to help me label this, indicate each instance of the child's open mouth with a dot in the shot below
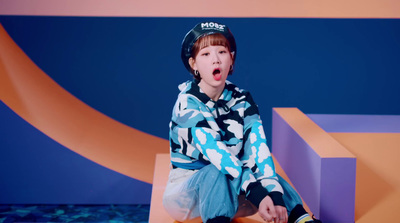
(217, 74)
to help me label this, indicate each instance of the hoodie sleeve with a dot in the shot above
(194, 126)
(257, 155)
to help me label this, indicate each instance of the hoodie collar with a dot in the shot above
(192, 87)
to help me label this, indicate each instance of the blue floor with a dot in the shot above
(74, 213)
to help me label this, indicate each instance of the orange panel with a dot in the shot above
(206, 8)
(322, 143)
(39, 100)
(378, 179)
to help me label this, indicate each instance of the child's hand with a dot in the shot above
(267, 209)
(281, 213)
(271, 213)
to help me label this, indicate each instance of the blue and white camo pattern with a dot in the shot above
(227, 133)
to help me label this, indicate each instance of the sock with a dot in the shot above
(219, 219)
(304, 218)
(297, 213)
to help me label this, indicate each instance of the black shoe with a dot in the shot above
(314, 220)
(219, 219)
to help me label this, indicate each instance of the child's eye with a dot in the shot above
(222, 51)
(205, 54)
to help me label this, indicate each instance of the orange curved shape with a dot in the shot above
(35, 97)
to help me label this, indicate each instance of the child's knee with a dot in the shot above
(211, 172)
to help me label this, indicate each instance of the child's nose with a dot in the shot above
(216, 59)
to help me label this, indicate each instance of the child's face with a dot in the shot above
(213, 64)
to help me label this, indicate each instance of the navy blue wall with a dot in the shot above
(129, 68)
(35, 169)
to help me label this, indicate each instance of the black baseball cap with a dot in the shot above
(204, 29)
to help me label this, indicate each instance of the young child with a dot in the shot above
(221, 165)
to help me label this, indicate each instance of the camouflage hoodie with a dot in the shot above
(228, 134)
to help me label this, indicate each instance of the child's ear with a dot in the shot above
(192, 63)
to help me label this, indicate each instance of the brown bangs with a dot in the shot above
(216, 39)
